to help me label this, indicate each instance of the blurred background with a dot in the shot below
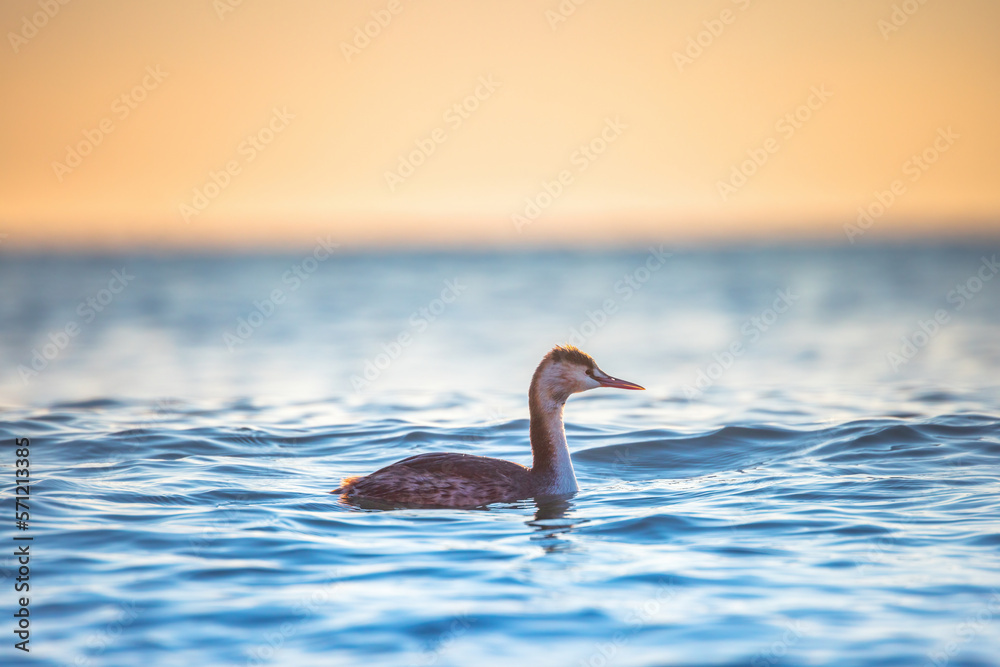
(433, 123)
(355, 156)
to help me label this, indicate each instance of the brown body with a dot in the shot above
(446, 479)
(443, 479)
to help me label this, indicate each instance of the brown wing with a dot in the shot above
(445, 479)
(464, 465)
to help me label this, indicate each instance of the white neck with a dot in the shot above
(552, 466)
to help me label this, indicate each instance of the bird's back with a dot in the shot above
(443, 479)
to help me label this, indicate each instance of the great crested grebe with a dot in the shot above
(448, 479)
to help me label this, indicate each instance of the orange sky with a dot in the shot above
(163, 98)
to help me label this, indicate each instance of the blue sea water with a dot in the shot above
(811, 477)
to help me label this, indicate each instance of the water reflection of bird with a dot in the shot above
(553, 523)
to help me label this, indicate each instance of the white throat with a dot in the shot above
(556, 467)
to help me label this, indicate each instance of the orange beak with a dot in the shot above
(618, 384)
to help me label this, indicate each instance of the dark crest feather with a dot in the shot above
(570, 354)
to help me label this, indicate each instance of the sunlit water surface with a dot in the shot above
(820, 495)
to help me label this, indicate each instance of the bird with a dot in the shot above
(450, 479)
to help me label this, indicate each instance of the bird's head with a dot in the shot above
(566, 370)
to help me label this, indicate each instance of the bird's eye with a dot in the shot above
(590, 372)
